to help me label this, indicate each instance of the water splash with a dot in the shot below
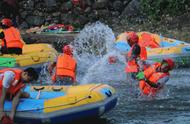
(94, 45)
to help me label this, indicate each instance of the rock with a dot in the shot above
(23, 25)
(56, 14)
(50, 3)
(88, 2)
(67, 6)
(82, 20)
(28, 5)
(118, 5)
(88, 10)
(99, 4)
(35, 20)
(132, 9)
(115, 13)
(24, 14)
(103, 13)
(67, 18)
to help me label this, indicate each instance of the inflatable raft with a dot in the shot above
(158, 47)
(59, 104)
(34, 55)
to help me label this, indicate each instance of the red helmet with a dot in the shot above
(170, 62)
(7, 22)
(132, 38)
(67, 49)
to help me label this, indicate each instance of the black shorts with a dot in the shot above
(12, 50)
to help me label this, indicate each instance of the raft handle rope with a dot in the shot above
(36, 58)
(87, 97)
(57, 89)
(40, 88)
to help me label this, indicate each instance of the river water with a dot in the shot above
(171, 106)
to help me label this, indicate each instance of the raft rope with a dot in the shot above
(77, 101)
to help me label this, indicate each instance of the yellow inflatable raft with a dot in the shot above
(158, 47)
(33, 55)
(60, 104)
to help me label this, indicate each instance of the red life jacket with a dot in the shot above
(12, 38)
(147, 40)
(16, 84)
(65, 66)
(152, 75)
(132, 65)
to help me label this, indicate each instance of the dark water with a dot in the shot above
(171, 106)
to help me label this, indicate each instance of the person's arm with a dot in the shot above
(152, 84)
(51, 67)
(160, 82)
(75, 82)
(141, 64)
(2, 101)
(15, 104)
(7, 79)
(163, 81)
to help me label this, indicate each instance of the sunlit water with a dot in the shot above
(93, 46)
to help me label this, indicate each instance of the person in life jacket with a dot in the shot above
(11, 39)
(12, 81)
(136, 56)
(65, 67)
(155, 77)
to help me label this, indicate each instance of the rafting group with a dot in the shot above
(12, 80)
(151, 77)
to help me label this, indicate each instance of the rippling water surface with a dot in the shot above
(172, 105)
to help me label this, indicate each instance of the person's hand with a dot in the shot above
(74, 83)
(159, 85)
(140, 76)
(2, 114)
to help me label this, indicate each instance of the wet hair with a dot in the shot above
(32, 73)
(3, 26)
(136, 50)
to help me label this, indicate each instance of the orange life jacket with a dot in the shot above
(12, 38)
(152, 75)
(16, 84)
(65, 66)
(132, 65)
(147, 40)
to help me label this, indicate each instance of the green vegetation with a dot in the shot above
(156, 9)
